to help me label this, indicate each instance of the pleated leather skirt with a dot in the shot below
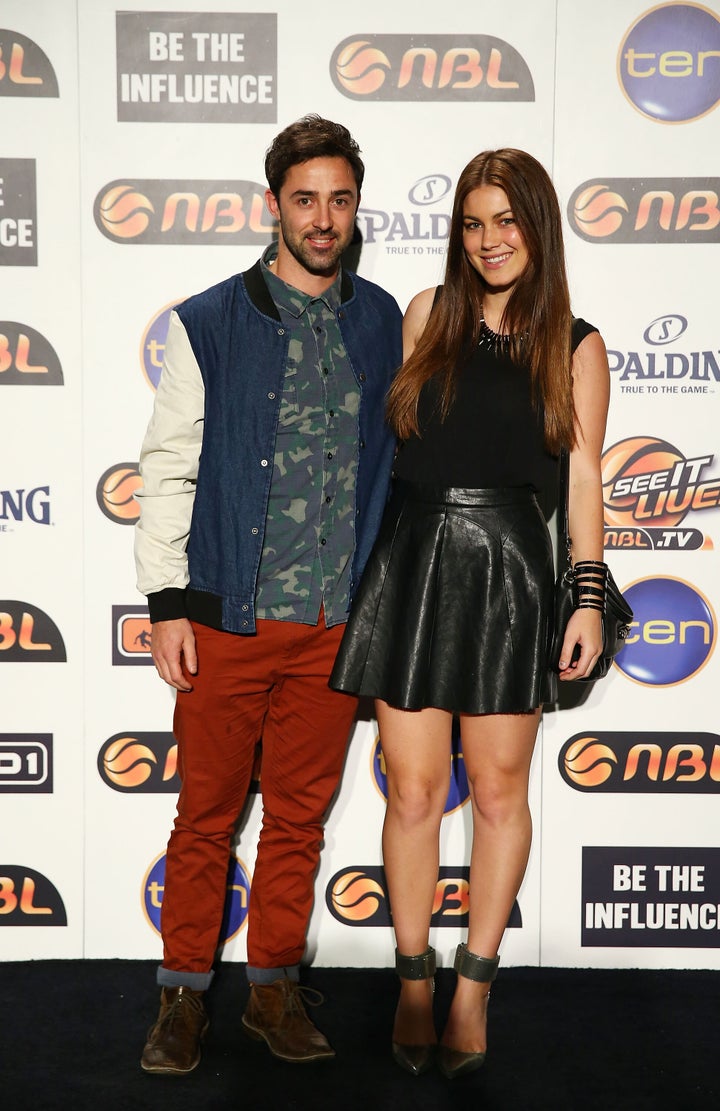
(455, 604)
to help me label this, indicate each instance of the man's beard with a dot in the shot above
(315, 262)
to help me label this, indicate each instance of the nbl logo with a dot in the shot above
(25, 70)
(430, 67)
(26, 357)
(236, 901)
(357, 896)
(28, 635)
(115, 493)
(646, 210)
(190, 212)
(28, 898)
(642, 763)
(140, 763)
(648, 489)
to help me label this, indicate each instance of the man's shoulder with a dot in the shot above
(215, 295)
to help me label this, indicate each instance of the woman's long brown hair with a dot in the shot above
(537, 315)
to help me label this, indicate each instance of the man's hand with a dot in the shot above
(173, 652)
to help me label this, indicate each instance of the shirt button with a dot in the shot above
(318, 329)
(329, 455)
(263, 462)
(271, 396)
(332, 412)
(254, 531)
(325, 370)
(244, 624)
(362, 377)
(328, 499)
(362, 443)
(245, 609)
(281, 331)
(323, 541)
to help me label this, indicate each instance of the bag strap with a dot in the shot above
(563, 518)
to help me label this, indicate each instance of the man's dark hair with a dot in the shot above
(311, 137)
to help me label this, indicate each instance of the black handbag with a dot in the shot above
(617, 614)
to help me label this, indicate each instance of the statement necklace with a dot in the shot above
(496, 341)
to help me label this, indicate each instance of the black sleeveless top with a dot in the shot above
(493, 434)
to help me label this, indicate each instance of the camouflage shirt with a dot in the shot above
(310, 533)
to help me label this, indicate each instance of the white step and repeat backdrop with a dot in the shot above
(131, 153)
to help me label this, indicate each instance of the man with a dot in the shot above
(249, 556)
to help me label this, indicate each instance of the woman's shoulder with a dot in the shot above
(422, 302)
(580, 330)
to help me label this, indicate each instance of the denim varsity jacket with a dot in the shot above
(207, 458)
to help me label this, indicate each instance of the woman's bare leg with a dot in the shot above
(416, 749)
(497, 749)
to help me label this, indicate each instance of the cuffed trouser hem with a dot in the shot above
(171, 978)
(270, 975)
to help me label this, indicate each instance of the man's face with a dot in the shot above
(316, 208)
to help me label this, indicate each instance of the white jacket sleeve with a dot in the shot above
(169, 466)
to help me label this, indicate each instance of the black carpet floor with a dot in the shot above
(71, 1034)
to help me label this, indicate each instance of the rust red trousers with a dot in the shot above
(271, 686)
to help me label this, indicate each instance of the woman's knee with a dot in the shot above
(416, 801)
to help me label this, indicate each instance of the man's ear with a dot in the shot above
(272, 204)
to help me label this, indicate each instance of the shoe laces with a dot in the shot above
(299, 995)
(182, 1002)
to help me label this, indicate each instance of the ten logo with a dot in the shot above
(236, 901)
(140, 762)
(430, 67)
(26, 764)
(152, 347)
(27, 898)
(669, 63)
(458, 791)
(26, 357)
(28, 635)
(642, 763)
(24, 69)
(115, 493)
(672, 635)
(131, 636)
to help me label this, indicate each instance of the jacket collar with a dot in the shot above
(259, 293)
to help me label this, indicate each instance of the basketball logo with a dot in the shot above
(361, 68)
(598, 212)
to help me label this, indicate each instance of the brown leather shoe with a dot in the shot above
(173, 1044)
(276, 1014)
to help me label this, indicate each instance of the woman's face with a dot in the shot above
(492, 240)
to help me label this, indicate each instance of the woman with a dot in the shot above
(453, 614)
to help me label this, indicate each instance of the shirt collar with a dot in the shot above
(293, 300)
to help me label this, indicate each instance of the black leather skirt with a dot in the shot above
(454, 608)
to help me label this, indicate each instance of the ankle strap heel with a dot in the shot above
(473, 967)
(420, 967)
(415, 1059)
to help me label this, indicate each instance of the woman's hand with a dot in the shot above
(584, 638)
